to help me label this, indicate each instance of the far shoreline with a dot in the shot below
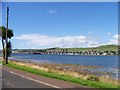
(64, 54)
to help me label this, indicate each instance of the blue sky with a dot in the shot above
(62, 24)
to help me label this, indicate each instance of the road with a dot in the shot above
(14, 81)
(12, 78)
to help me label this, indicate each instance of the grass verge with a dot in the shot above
(95, 84)
(0, 62)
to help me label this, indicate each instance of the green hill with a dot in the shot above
(99, 48)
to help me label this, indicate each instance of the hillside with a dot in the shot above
(100, 48)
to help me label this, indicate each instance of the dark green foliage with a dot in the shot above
(92, 78)
(3, 39)
(3, 32)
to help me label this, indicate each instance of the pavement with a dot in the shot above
(13, 78)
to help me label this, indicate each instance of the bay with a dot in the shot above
(104, 61)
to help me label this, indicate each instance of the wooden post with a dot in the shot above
(6, 56)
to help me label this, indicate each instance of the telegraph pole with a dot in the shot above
(6, 51)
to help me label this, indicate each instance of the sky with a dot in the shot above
(62, 24)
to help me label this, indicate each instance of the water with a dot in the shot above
(103, 61)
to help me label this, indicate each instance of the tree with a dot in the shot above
(3, 40)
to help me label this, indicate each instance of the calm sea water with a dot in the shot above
(104, 61)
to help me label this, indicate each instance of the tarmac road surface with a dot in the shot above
(10, 80)
(13, 78)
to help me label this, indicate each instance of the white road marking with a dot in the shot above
(33, 79)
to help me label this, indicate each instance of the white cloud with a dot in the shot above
(115, 39)
(116, 36)
(92, 43)
(91, 32)
(52, 41)
(109, 33)
(52, 11)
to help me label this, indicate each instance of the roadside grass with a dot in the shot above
(96, 84)
(0, 61)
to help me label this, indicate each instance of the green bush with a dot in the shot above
(92, 78)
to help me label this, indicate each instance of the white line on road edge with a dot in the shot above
(33, 79)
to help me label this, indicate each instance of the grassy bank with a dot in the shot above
(0, 60)
(89, 83)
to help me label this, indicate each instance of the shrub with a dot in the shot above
(92, 78)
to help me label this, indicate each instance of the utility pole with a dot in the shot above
(6, 51)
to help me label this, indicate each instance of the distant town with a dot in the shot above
(101, 50)
(67, 52)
